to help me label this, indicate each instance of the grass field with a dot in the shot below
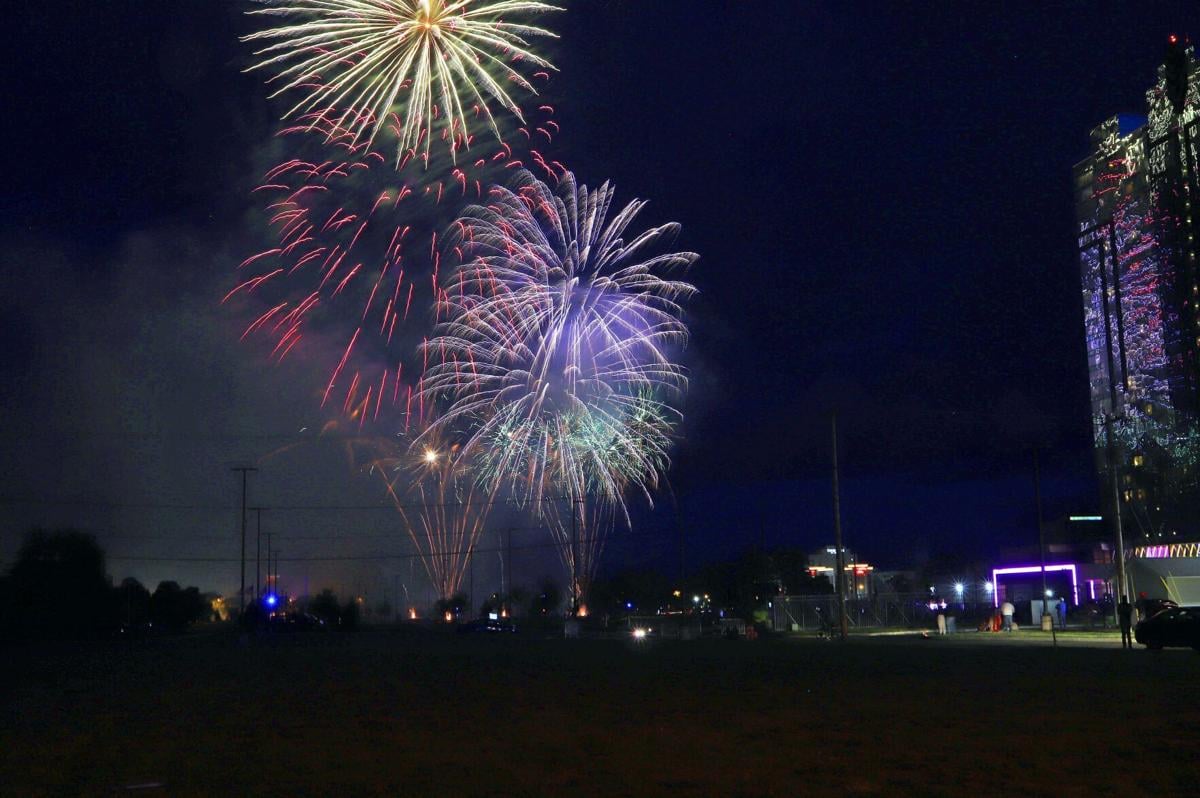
(382, 712)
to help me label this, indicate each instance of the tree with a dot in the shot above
(132, 603)
(58, 587)
(173, 609)
(547, 598)
(325, 606)
(348, 618)
(645, 590)
(456, 605)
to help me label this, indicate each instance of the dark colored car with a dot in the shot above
(487, 626)
(1149, 607)
(294, 622)
(1174, 626)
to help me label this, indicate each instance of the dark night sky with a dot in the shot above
(880, 194)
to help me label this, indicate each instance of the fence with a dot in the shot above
(888, 610)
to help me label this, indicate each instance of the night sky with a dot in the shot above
(880, 194)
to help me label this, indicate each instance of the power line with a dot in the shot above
(390, 556)
(284, 507)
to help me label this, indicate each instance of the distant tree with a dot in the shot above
(456, 605)
(325, 606)
(901, 583)
(349, 616)
(173, 609)
(58, 587)
(790, 569)
(518, 600)
(253, 617)
(492, 604)
(383, 609)
(645, 590)
(7, 618)
(547, 599)
(132, 603)
(744, 585)
(948, 567)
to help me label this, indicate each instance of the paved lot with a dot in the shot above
(387, 713)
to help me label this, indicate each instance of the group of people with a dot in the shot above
(1124, 618)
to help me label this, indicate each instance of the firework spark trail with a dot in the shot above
(411, 65)
(443, 508)
(555, 358)
(356, 249)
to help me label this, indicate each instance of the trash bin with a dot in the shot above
(1047, 622)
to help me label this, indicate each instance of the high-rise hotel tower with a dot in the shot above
(1137, 203)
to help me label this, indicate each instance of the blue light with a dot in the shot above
(272, 599)
(628, 605)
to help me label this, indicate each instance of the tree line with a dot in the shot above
(58, 587)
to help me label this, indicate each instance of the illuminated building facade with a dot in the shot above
(857, 583)
(1141, 297)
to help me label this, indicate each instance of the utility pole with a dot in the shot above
(242, 594)
(679, 531)
(574, 559)
(506, 571)
(839, 556)
(257, 551)
(269, 589)
(1122, 586)
(1037, 497)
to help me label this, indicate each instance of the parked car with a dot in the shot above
(1148, 607)
(294, 622)
(487, 626)
(1174, 626)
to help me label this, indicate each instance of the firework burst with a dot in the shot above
(427, 68)
(356, 252)
(557, 354)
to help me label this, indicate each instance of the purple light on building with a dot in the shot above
(1034, 569)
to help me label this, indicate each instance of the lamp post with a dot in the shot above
(1037, 497)
(1119, 533)
(839, 559)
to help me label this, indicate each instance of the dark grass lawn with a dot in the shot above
(383, 712)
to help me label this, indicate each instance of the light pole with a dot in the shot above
(1037, 497)
(839, 558)
(257, 550)
(1119, 533)
(574, 558)
(242, 594)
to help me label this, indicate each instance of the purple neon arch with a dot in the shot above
(1034, 569)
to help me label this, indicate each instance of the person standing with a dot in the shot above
(1125, 616)
(1062, 613)
(1007, 610)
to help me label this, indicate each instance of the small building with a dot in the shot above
(858, 583)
